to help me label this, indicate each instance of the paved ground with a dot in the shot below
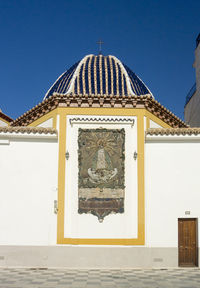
(60, 278)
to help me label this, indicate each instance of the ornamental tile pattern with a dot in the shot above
(99, 278)
(98, 101)
(103, 75)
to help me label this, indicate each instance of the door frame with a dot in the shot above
(196, 240)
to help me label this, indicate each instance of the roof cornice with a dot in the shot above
(105, 101)
(27, 132)
(173, 131)
(175, 135)
(36, 112)
(5, 117)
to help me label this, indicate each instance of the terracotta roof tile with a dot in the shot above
(5, 117)
(105, 101)
(173, 131)
(27, 130)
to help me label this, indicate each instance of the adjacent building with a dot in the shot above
(192, 105)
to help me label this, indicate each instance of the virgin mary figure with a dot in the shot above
(102, 170)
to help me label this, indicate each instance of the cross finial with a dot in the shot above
(100, 42)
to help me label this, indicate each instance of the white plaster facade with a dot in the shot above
(172, 186)
(28, 172)
(46, 124)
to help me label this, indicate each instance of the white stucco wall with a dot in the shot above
(154, 124)
(172, 187)
(114, 225)
(28, 174)
(28, 178)
(47, 124)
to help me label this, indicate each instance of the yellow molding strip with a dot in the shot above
(55, 121)
(140, 162)
(61, 176)
(103, 241)
(63, 112)
(100, 111)
(147, 123)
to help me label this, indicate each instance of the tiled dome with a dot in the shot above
(103, 75)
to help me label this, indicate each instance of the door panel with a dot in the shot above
(187, 242)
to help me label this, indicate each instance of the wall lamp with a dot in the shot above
(67, 155)
(135, 154)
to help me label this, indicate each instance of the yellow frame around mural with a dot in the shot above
(141, 114)
(63, 112)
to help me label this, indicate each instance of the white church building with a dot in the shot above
(99, 175)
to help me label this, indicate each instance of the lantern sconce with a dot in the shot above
(135, 155)
(67, 155)
(55, 207)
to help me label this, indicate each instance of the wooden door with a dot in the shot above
(187, 242)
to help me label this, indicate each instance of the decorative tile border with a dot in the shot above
(27, 130)
(172, 131)
(101, 120)
(95, 101)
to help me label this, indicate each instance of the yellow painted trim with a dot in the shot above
(52, 114)
(147, 123)
(103, 241)
(55, 121)
(158, 121)
(100, 111)
(61, 176)
(139, 113)
(140, 162)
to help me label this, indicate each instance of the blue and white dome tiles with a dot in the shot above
(99, 75)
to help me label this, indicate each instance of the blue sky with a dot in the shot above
(41, 39)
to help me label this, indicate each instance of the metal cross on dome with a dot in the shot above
(100, 42)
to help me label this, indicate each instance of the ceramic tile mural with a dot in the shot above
(101, 181)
